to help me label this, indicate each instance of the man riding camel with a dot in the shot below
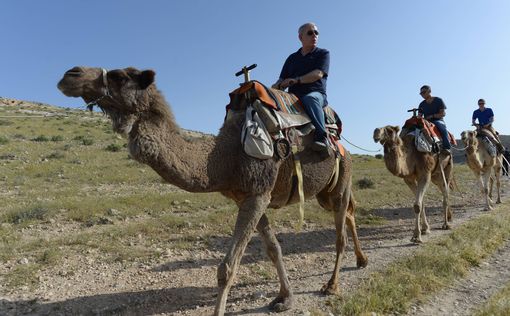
(485, 118)
(433, 110)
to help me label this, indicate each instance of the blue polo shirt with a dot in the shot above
(483, 117)
(433, 108)
(298, 65)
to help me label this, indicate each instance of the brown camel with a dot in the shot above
(417, 169)
(138, 110)
(483, 165)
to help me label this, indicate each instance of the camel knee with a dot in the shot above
(417, 208)
(224, 274)
(273, 252)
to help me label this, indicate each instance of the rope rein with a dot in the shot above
(367, 150)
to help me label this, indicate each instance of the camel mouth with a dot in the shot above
(68, 91)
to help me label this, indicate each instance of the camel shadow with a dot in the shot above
(148, 302)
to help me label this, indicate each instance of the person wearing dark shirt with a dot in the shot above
(485, 118)
(433, 110)
(305, 73)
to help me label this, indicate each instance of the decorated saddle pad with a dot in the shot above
(428, 127)
(276, 99)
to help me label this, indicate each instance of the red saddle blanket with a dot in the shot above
(429, 128)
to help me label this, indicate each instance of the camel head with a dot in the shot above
(469, 138)
(387, 135)
(121, 93)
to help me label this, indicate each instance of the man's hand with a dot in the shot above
(288, 82)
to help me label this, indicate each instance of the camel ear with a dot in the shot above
(146, 78)
(396, 128)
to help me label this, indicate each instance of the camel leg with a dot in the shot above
(485, 189)
(285, 298)
(446, 207)
(425, 228)
(250, 212)
(423, 183)
(340, 205)
(497, 172)
(361, 258)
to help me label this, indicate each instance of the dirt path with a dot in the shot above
(184, 282)
(464, 296)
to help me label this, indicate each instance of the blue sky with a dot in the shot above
(381, 53)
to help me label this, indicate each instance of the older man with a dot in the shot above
(305, 73)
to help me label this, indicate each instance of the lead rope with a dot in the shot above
(299, 174)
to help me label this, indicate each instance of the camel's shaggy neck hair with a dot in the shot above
(156, 139)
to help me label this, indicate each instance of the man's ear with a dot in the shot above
(146, 78)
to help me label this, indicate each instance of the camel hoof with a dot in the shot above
(330, 289)
(416, 240)
(446, 226)
(362, 262)
(425, 231)
(498, 202)
(281, 304)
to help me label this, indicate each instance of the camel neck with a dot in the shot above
(157, 140)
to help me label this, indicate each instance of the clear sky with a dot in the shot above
(382, 51)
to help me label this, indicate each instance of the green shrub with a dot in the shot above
(114, 147)
(56, 155)
(3, 140)
(365, 183)
(40, 138)
(57, 138)
(87, 141)
(35, 213)
(379, 156)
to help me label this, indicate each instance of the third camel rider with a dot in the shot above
(485, 118)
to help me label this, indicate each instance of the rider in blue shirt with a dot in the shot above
(433, 110)
(305, 73)
(485, 118)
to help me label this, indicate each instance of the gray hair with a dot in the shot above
(304, 26)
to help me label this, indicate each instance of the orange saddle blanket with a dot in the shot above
(429, 128)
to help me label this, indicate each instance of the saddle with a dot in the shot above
(427, 135)
(283, 114)
(489, 140)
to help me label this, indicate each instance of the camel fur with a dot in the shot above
(417, 169)
(138, 110)
(485, 167)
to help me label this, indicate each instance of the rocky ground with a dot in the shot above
(184, 282)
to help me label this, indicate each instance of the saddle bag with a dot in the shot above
(491, 148)
(422, 141)
(255, 138)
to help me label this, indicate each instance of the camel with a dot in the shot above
(417, 169)
(484, 166)
(218, 164)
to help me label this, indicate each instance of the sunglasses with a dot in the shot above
(423, 92)
(481, 103)
(312, 32)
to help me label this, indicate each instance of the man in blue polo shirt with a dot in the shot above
(305, 73)
(433, 110)
(485, 117)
